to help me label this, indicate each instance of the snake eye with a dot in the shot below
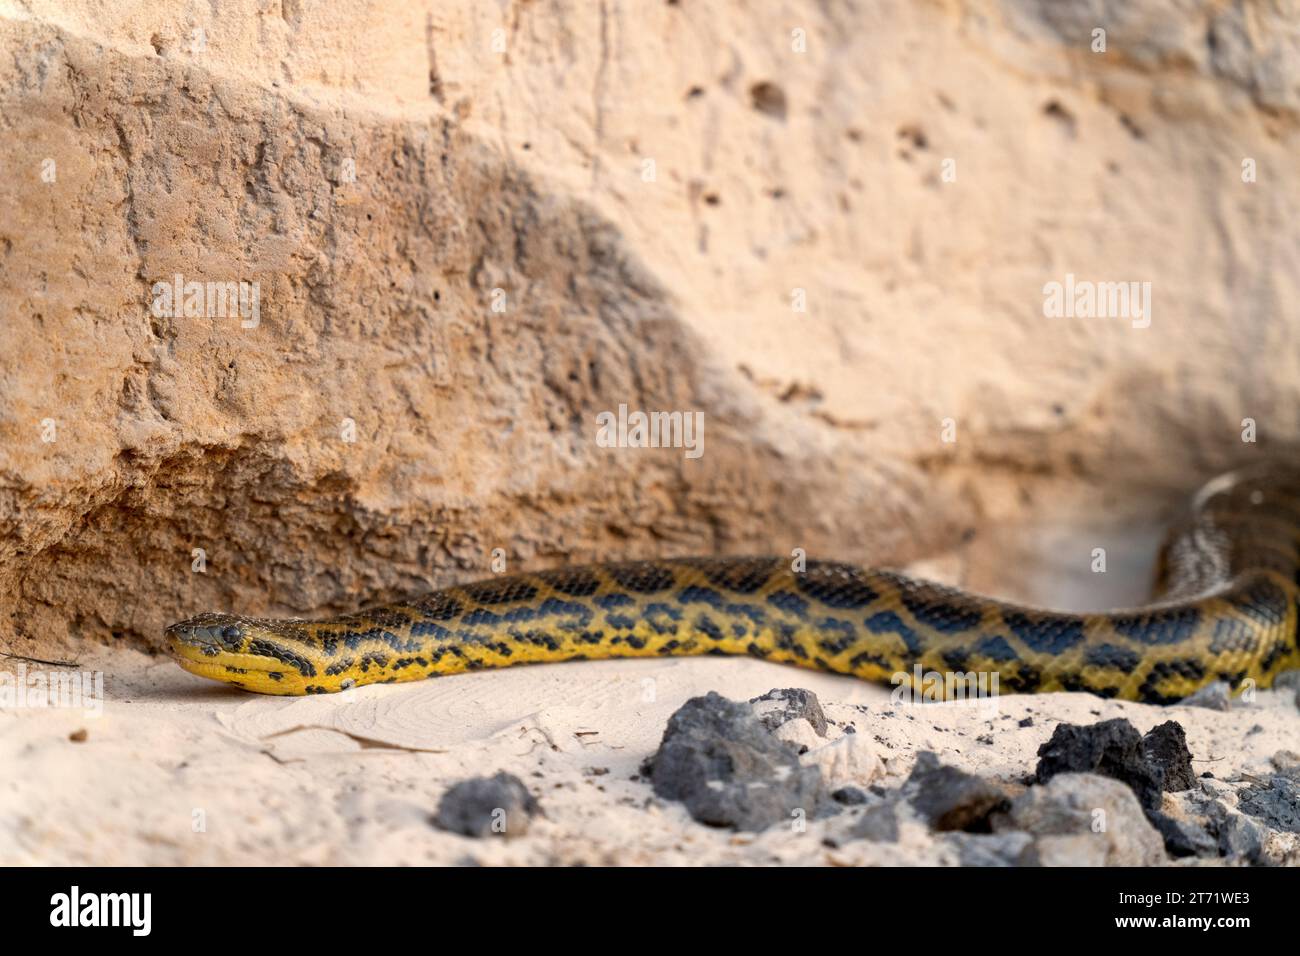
(231, 633)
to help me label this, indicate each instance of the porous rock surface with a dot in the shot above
(724, 765)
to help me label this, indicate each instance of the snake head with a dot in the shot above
(268, 657)
(209, 634)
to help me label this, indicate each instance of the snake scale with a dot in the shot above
(1226, 609)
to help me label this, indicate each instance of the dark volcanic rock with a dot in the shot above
(482, 806)
(1111, 748)
(782, 705)
(950, 799)
(718, 759)
(1166, 750)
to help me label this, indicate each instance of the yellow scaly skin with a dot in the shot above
(1229, 612)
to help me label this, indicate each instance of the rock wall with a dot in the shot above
(474, 228)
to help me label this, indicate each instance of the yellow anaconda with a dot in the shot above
(1227, 611)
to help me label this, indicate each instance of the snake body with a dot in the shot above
(1227, 610)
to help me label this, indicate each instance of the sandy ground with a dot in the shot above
(180, 770)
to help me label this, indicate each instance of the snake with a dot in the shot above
(1224, 608)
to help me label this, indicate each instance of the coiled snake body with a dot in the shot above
(1227, 610)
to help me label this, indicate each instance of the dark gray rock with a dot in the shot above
(1213, 696)
(1166, 750)
(1276, 803)
(1183, 837)
(991, 849)
(484, 806)
(950, 799)
(879, 823)
(1110, 748)
(1241, 838)
(850, 796)
(781, 705)
(718, 759)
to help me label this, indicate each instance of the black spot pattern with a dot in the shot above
(1081, 685)
(1277, 652)
(1163, 670)
(339, 666)
(663, 617)
(787, 639)
(577, 582)
(438, 607)
(835, 585)
(505, 591)
(946, 615)
(429, 629)
(1022, 679)
(845, 636)
(1263, 600)
(576, 615)
(387, 617)
(996, 648)
(956, 659)
(642, 577)
(887, 622)
(1233, 636)
(789, 602)
(694, 593)
(708, 627)
(742, 575)
(401, 644)
(1112, 655)
(264, 648)
(1171, 626)
(1046, 634)
(867, 658)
